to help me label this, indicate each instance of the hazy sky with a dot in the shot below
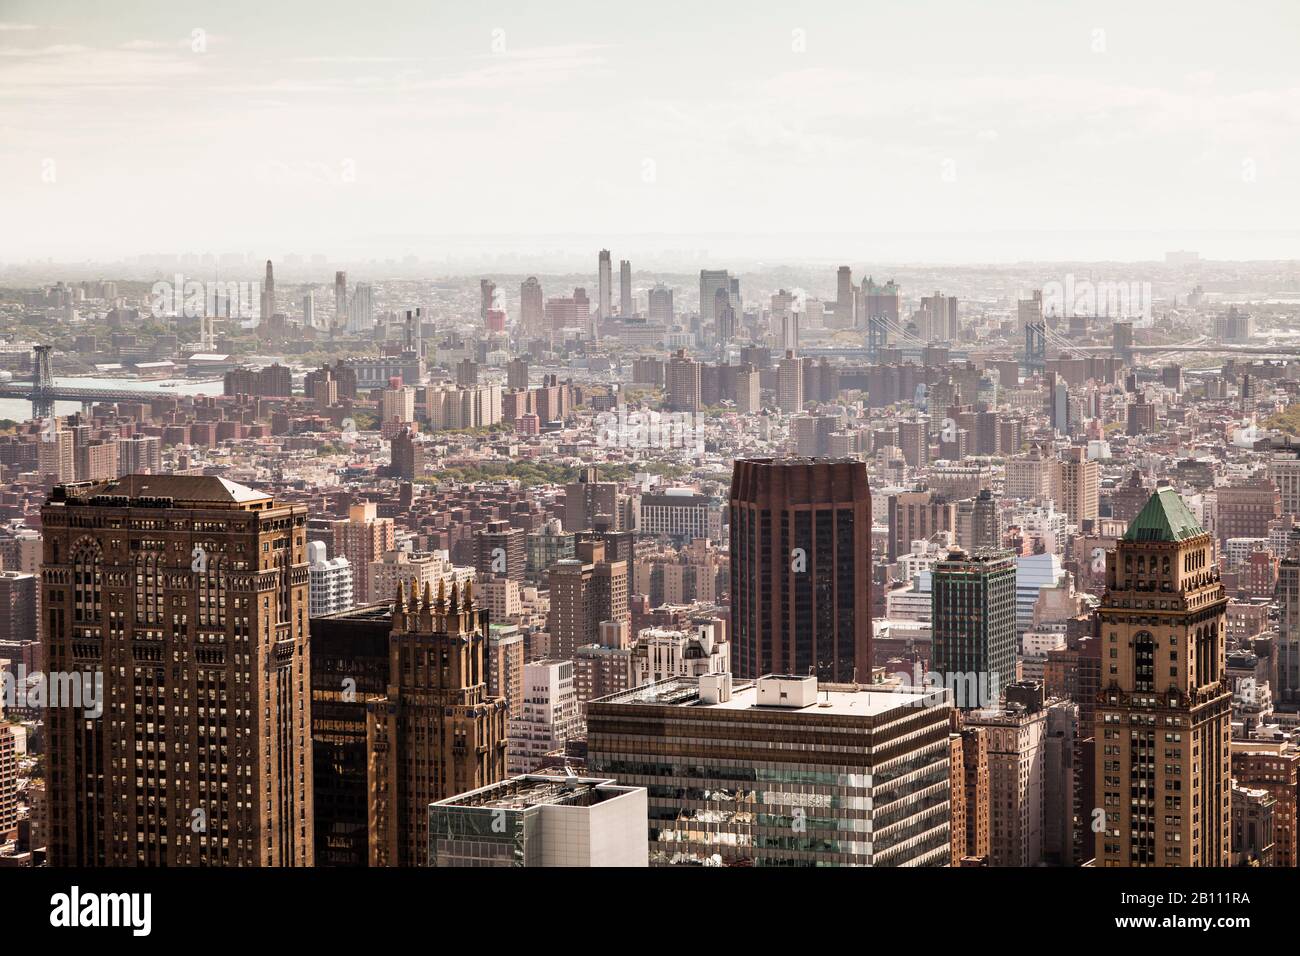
(910, 127)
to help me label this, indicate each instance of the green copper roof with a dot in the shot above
(1164, 518)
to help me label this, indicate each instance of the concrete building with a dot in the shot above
(331, 581)
(541, 821)
(548, 716)
(363, 538)
(781, 771)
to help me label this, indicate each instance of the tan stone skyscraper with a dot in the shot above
(436, 733)
(1164, 717)
(189, 596)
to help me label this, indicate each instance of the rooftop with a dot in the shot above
(834, 699)
(1164, 518)
(180, 491)
(533, 790)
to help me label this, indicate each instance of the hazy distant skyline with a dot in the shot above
(896, 131)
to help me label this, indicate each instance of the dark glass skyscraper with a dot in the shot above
(974, 624)
(801, 568)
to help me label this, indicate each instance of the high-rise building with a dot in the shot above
(660, 309)
(548, 714)
(541, 821)
(487, 290)
(588, 500)
(340, 300)
(625, 307)
(506, 665)
(179, 589)
(18, 597)
(938, 322)
(799, 769)
(585, 591)
(604, 302)
(1017, 778)
(331, 581)
(362, 538)
(1080, 486)
(1164, 721)
(789, 385)
(973, 618)
(349, 666)
(683, 383)
(517, 374)
(9, 779)
(1246, 508)
(436, 732)
(415, 569)
(139, 455)
(879, 301)
(532, 310)
(361, 313)
(56, 457)
(1284, 472)
(268, 295)
(974, 776)
(501, 550)
(1275, 767)
(1029, 311)
(845, 298)
(800, 568)
(711, 280)
(1287, 596)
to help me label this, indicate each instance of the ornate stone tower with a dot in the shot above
(1164, 714)
(436, 733)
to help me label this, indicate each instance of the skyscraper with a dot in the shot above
(268, 295)
(661, 305)
(362, 538)
(879, 302)
(189, 594)
(340, 300)
(361, 316)
(844, 298)
(711, 280)
(683, 383)
(1080, 485)
(973, 618)
(604, 304)
(1164, 719)
(532, 310)
(436, 732)
(789, 385)
(625, 307)
(800, 568)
